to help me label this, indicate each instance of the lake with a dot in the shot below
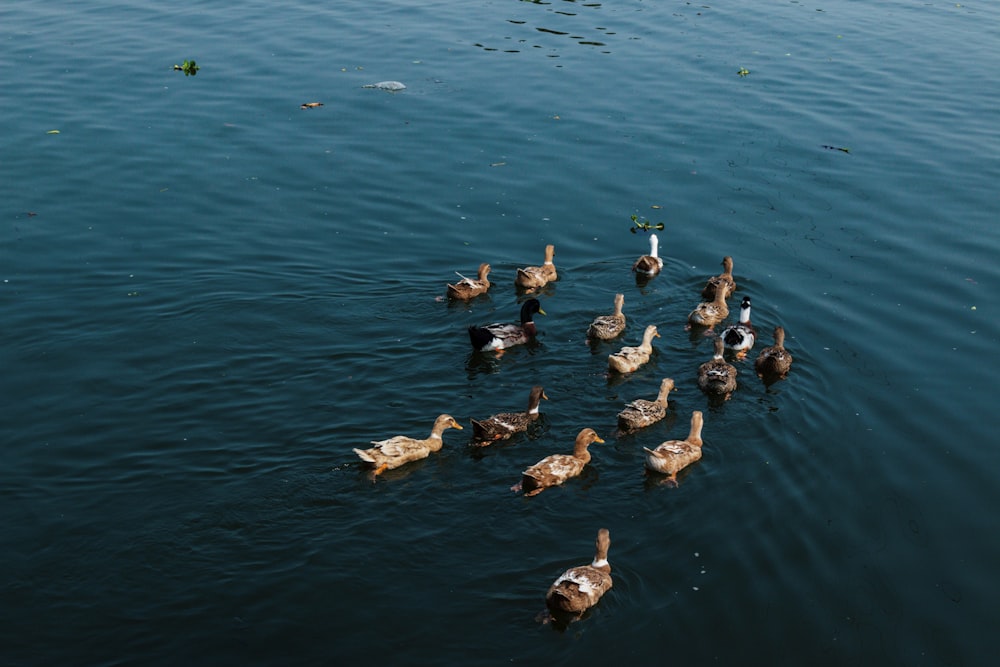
(211, 295)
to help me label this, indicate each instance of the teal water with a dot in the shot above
(211, 295)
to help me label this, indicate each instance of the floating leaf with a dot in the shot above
(743, 71)
(190, 68)
(52, 132)
(837, 148)
(311, 105)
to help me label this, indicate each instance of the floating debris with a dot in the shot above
(644, 225)
(743, 71)
(52, 132)
(310, 105)
(391, 86)
(837, 148)
(190, 68)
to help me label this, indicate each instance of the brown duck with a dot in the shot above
(641, 413)
(505, 424)
(533, 277)
(675, 455)
(468, 288)
(724, 279)
(400, 449)
(555, 469)
(580, 588)
(774, 361)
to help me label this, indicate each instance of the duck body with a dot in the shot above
(469, 288)
(500, 336)
(555, 469)
(717, 377)
(503, 425)
(533, 277)
(672, 456)
(630, 359)
(740, 337)
(641, 413)
(774, 361)
(580, 588)
(710, 313)
(724, 280)
(606, 327)
(400, 449)
(651, 264)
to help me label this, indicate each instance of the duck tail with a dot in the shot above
(364, 456)
(479, 337)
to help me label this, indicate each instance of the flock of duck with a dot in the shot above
(579, 588)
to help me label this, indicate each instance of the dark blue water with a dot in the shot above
(211, 295)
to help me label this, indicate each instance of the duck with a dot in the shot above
(717, 377)
(580, 588)
(606, 327)
(724, 279)
(740, 337)
(505, 424)
(533, 277)
(774, 361)
(555, 469)
(641, 413)
(672, 456)
(500, 336)
(468, 288)
(649, 265)
(400, 449)
(630, 359)
(710, 313)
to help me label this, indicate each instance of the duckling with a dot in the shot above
(675, 455)
(723, 279)
(533, 277)
(555, 469)
(740, 337)
(580, 588)
(468, 288)
(606, 327)
(649, 265)
(629, 359)
(717, 377)
(774, 361)
(640, 412)
(710, 313)
(505, 424)
(500, 336)
(400, 449)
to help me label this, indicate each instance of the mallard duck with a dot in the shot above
(774, 361)
(740, 337)
(641, 413)
(467, 288)
(533, 277)
(555, 469)
(629, 359)
(606, 327)
(649, 265)
(500, 336)
(505, 424)
(580, 588)
(717, 377)
(724, 279)
(394, 452)
(675, 455)
(710, 313)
